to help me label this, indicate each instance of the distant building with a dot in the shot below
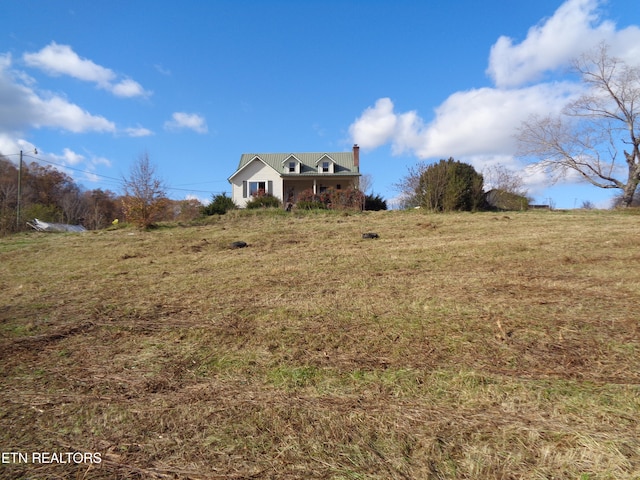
(285, 175)
(503, 200)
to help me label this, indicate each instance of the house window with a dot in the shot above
(338, 187)
(256, 187)
(292, 167)
(325, 167)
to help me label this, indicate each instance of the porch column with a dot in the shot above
(315, 187)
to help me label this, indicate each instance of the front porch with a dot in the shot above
(292, 187)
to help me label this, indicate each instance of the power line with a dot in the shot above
(200, 183)
(189, 190)
(120, 182)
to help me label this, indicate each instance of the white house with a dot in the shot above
(285, 175)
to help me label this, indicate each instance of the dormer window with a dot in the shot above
(326, 164)
(291, 164)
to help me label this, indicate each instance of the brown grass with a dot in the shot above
(455, 346)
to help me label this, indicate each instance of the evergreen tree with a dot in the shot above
(450, 185)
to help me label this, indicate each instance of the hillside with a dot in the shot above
(454, 346)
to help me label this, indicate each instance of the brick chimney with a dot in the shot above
(356, 156)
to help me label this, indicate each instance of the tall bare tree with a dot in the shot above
(598, 134)
(144, 198)
(499, 177)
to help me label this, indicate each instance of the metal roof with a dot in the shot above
(343, 162)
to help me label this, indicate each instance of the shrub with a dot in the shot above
(331, 198)
(307, 196)
(450, 185)
(307, 200)
(263, 200)
(220, 204)
(344, 199)
(374, 202)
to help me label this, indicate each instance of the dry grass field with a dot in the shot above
(457, 346)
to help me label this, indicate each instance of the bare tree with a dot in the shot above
(590, 134)
(365, 182)
(144, 198)
(74, 206)
(409, 186)
(8, 198)
(499, 177)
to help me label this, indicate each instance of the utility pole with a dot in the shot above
(18, 201)
(19, 192)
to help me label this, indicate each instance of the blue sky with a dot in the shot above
(93, 85)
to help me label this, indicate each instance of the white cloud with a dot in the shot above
(573, 29)
(475, 122)
(548, 46)
(70, 157)
(58, 112)
(22, 107)
(203, 201)
(162, 70)
(192, 121)
(10, 147)
(138, 132)
(5, 60)
(82, 167)
(625, 44)
(62, 60)
(56, 60)
(101, 161)
(480, 125)
(376, 126)
(128, 88)
(484, 121)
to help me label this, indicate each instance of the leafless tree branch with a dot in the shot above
(591, 131)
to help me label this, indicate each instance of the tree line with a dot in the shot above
(53, 196)
(50, 195)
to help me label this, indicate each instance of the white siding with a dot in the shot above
(256, 171)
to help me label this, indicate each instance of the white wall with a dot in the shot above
(256, 171)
